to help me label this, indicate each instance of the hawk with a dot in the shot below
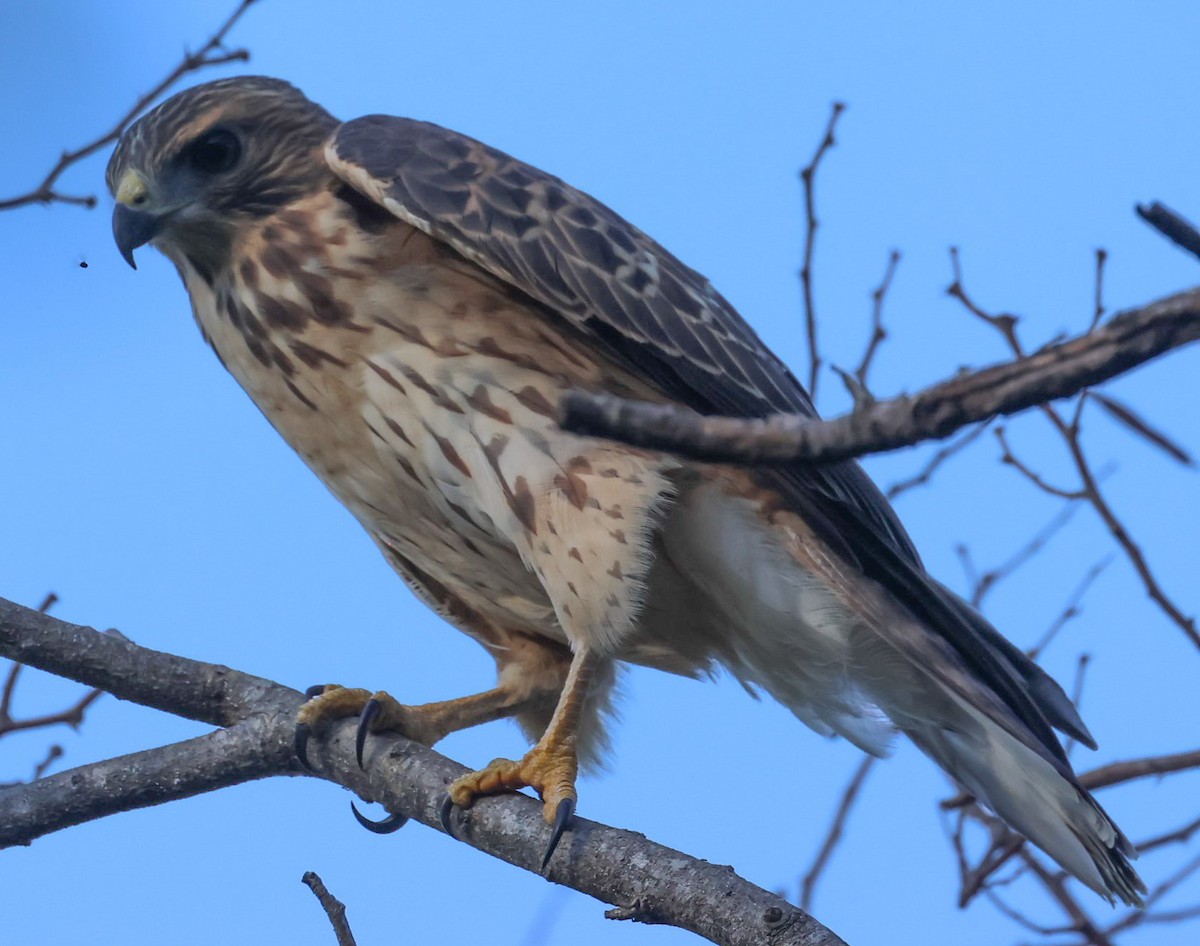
(407, 306)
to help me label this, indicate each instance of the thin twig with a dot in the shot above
(1009, 458)
(1178, 836)
(14, 672)
(999, 854)
(1005, 323)
(1171, 225)
(982, 584)
(71, 716)
(333, 907)
(1081, 666)
(53, 754)
(834, 835)
(1118, 772)
(1132, 550)
(878, 332)
(1055, 885)
(1098, 298)
(1136, 918)
(1072, 608)
(212, 53)
(1127, 416)
(925, 474)
(1016, 915)
(807, 176)
(1070, 434)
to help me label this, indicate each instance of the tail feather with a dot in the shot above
(1046, 805)
(855, 653)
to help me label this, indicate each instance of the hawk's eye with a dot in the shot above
(215, 151)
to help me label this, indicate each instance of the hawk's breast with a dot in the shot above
(420, 390)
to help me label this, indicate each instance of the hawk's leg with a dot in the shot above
(550, 767)
(426, 723)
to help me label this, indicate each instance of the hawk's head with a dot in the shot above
(210, 158)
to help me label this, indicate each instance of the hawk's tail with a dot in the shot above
(1033, 795)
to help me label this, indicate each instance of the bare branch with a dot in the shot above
(1178, 836)
(255, 748)
(1070, 434)
(1009, 458)
(618, 867)
(849, 796)
(14, 672)
(53, 754)
(1017, 916)
(925, 474)
(807, 176)
(1136, 918)
(878, 332)
(984, 583)
(1072, 608)
(1098, 299)
(1171, 225)
(333, 907)
(1127, 340)
(1133, 421)
(1118, 772)
(195, 690)
(1055, 885)
(980, 878)
(212, 53)
(71, 716)
(1005, 323)
(1131, 549)
(1081, 666)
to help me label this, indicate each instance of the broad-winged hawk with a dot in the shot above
(407, 306)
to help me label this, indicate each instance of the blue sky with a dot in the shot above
(143, 487)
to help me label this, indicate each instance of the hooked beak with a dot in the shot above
(132, 226)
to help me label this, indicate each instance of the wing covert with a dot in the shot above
(581, 260)
(574, 255)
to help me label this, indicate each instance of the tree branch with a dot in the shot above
(1171, 225)
(1118, 772)
(333, 907)
(878, 332)
(208, 693)
(644, 880)
(934, 463)
(809, 884)
(807, 176)
(212, 53)
(1129, 339)
(1069, 431)
(252, 749)
(71, 716)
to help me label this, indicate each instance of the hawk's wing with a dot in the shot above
(582, 261)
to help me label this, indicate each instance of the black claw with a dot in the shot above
(313, 692)
(445, 815)
(562, 818)
(369, 713)
(388, 825)
(303, 731)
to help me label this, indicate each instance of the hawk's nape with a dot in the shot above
(407, 306)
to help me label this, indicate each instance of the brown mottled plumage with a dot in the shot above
(407, 305)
